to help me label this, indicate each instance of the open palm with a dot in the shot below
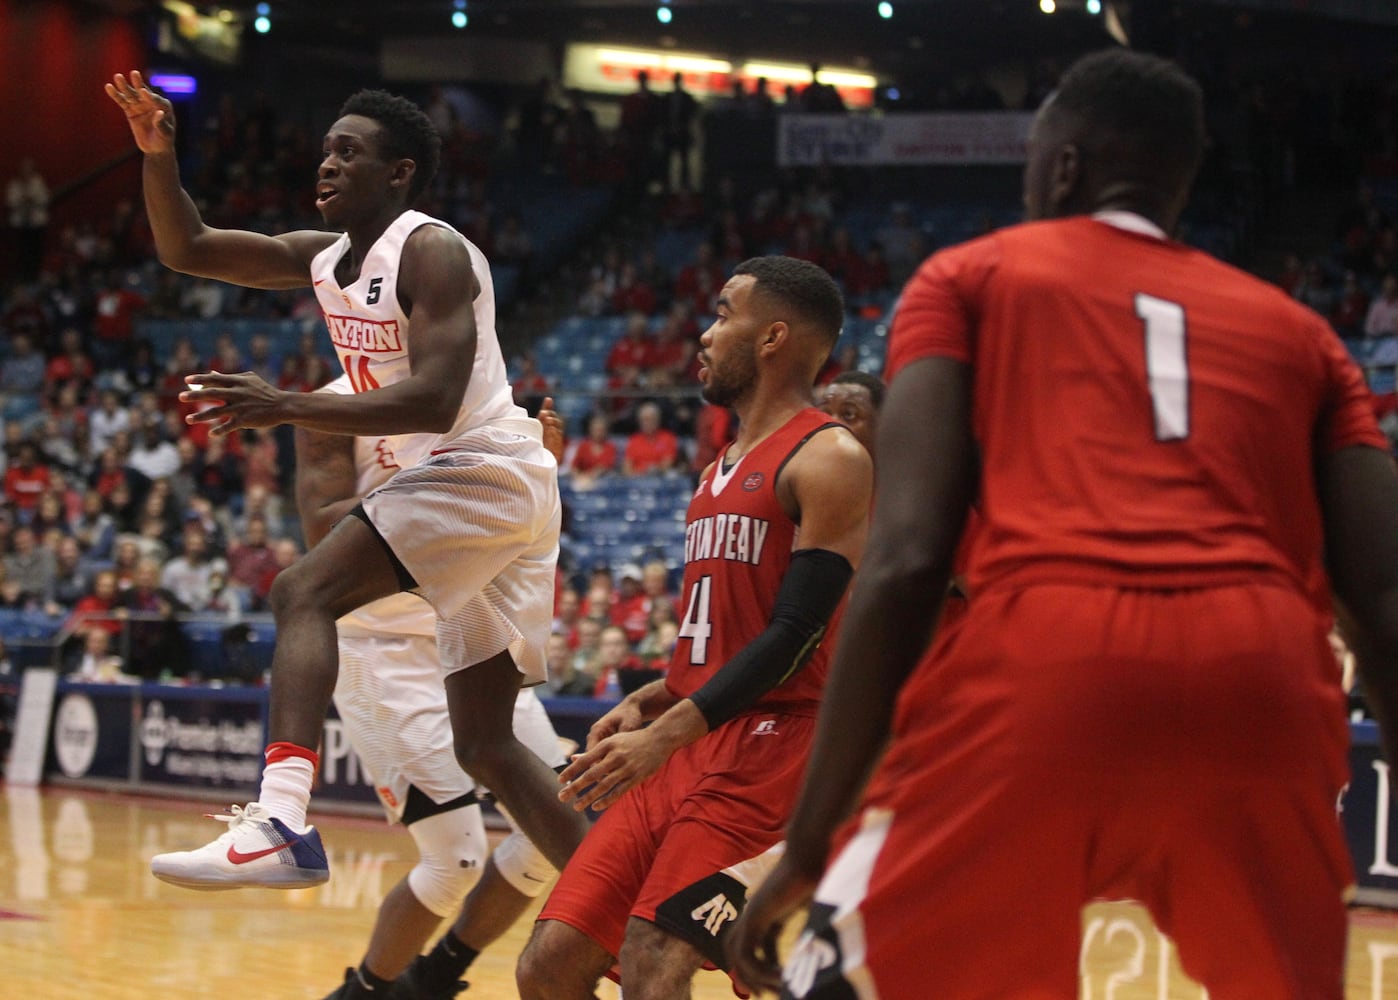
(151, 117)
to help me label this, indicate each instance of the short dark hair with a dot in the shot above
(803, 286)
(1146, 108)
(868, 380)
(405, 132)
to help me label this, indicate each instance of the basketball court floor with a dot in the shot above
(81, 918)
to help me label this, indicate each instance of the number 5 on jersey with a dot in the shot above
(696, 626)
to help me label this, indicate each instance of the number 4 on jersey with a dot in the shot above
(696, 626)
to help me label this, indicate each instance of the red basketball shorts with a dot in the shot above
(1065, 743)
(681, 849)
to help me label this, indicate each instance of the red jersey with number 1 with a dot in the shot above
(1147, 416)
(738, 545)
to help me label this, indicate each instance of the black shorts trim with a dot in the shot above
(419, 806)
(405, 579)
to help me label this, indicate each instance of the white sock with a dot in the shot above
(286, 790)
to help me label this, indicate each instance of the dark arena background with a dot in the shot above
(135, 634)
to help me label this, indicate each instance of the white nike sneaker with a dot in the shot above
(257, 850)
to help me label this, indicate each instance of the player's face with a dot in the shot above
(352, 180)
(727, 349)
(852, 406)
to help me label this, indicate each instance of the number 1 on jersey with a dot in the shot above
(1167, 365)
(696, 626)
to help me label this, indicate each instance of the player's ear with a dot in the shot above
(402, 173)
(1065, 173)
(773, 336)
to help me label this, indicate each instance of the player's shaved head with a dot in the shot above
(804, 295)
(1135, 124)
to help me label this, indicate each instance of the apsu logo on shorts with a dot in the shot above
(753, 482)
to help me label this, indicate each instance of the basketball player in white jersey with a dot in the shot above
(472, 526)
(390, 700)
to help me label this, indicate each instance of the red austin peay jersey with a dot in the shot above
(738, 544)
(1147, 416)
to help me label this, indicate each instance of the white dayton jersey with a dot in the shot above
(390, 693)
(370, 331)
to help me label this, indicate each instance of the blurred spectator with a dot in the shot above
(70, 578)
(569, 609)
(679, 110)
(1382, 318)
(530, 385)
(91, 610)
(630, 355)
(285, 551)
(71, 365)
(217, 474)
(618, 668)
(567, 678)
(27, 208)
(1351, 306)
(106, 420)
(819, 97)
(97, 664)
(1315, 290)
(633, 296)
(26, 479)
(226, 598)
(595, 455)
(117, 305)
(22, 373)
(655, 584)
(652, 448)
(190, 574)
(513, 244)
(902, 244)
(631, 608)
(156, 643)
(251, 558)
(125, 559)
(713, 429)
(655, 650)
(152, 454)
(30, 566)
(93, 527)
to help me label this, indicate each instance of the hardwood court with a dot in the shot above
(82, 919)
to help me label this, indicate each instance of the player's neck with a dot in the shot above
(364, 234)
(762, 415)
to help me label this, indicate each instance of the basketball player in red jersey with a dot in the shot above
(1140, 701)
(694, 804)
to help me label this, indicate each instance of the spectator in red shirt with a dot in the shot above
(252, 558)
(655, 586)
(530, 385)
(632, 293)
(26, 480)
(631, 607)
(595, 455)
(116, 306)
(92, 610)
(652, 448)
(285, 551)
(713, 428)
(1351, 306)
(632, 351)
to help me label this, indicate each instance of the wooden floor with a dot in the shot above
(81, 917)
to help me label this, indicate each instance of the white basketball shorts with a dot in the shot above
(477, 527)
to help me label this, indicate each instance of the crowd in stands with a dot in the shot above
(120, 522)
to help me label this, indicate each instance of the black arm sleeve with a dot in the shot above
(810, 592)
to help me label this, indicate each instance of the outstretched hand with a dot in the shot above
(151, 117)
(248, 401)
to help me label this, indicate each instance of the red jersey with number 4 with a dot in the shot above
(1147, 416)
(738, 544)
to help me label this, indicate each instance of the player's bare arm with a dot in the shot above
(440, 355)
(1359, 493)
(325, 481)
(826, 487)
(182, 240)
(925, 420)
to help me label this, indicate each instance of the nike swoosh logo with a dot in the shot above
(532, 878)
(237, 857)
(318, 282)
